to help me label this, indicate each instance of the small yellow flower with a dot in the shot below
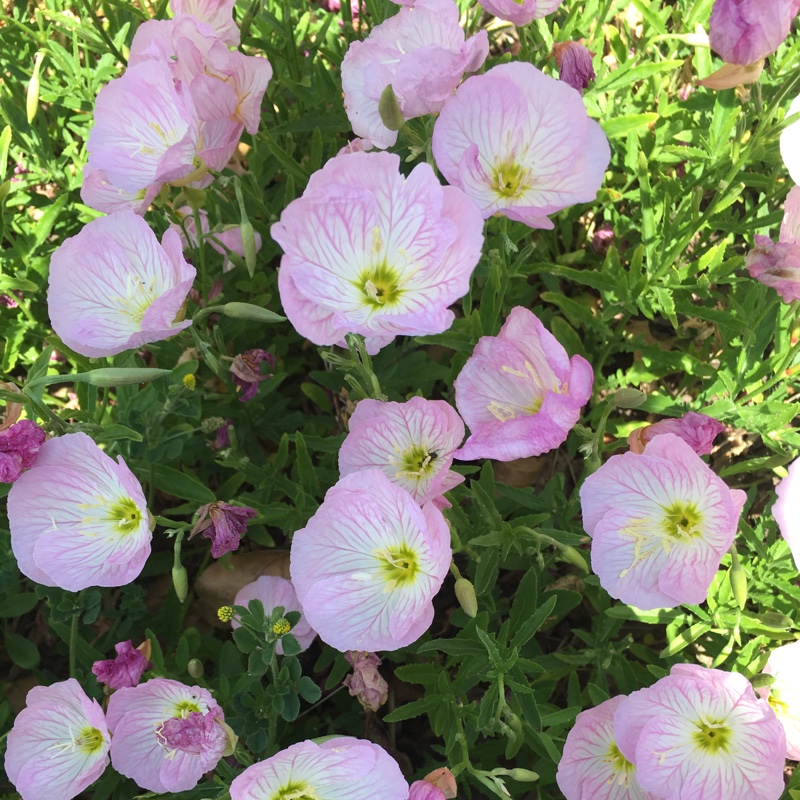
(190, 382)
(225, 613)
(281, 626)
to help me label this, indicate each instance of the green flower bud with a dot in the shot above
(465, 594)
(32, 99)
(180, 580)
(106, 377)
(389, 109)
(629, 398)
(195, 668)
(738, 579)
(522, 775)
(249, 311)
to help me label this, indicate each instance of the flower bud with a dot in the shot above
(465, 594)
(180, 580)
(738, 580)
(628, 397)
(190, 382)
(108, 377)
(389, 109)
(574, 64)
(32, 99)
(249, 311)
(225, 613)
(195, 668)
(522, 775)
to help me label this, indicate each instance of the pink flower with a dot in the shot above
(224, 524)
(519, 392)
(701, 734)
(78, 518)
(412, 443)
(778, 264)
(784, 694)
(366, 682)
(273, 592)
(123, 671)
(574, 64)
(422, 790)
(743, 31)
(368, 251)
(19, 445)
(59, 743)
(356, 146)
(166, 735)
(368, 564)
(603, 239)
(520, 12)
(98, 192)
(338, 768)
(114, 288)
(520, 144)
(216, 13)
(787, 510)
(592, 765)
(247, 373)
(697, 430)
(660, 523)
(421, 53)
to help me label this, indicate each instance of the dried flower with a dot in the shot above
(574, 64)
(366, 682)
(126, 669)
(223, 524)
(246, 372)
(19, 445)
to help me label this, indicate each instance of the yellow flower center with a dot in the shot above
(295, 791)
(681, 520)
(90, 740)
(126, 514)
(712, 736)
(379, 286)
(185, 707)
(510, 180)
(398, 565)
(417, 462)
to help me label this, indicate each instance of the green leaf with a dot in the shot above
(453, 647)
(614, 127)
(528, 628)
(414, 709)
(179, 484)
(18, 604)
(21, 651)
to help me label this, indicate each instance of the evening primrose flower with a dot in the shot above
(702, 734)
(59, 743)
(787, 509)
(660, 524)
(520, 12)
(697, 430)
(744, 31)
(113, 287)
(126, 669)
(98, 192)
(216, 13)
(166, 735)
(78, 518)
(412, 443)
(784, 694)
(369, 251)
(520, 143)
(368, 563)
(519, 392)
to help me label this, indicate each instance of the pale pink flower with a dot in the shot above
(421, 53)
(19, 445)
(368, 564)
(574, 63)
(369, 251)
(216, 13)
(422, 790)
(166, 735)
(784, 694)
(366, 682)
(787, 509)
(412, 443)
(520, 143)
(59, 743)
(273, 592)
(145, 130)
(356, 146)
(520, 12)
(743, 31)
(342, 768)
(98, 192)
(592, 765)
(113, 287)
(123, 671)
(702, 734)
(697, 430)
(660, 524)
(777, 264)
(519, 392)
(78, 518)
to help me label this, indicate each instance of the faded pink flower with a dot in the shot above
(59, 743)
(603, 239)
(787, 509)
(356, 146)
(702, 734)
(519, 392)
(743, 31)
(224, 524)
(574, 63)
(19, 445)
(98, 192)
(166, 735)
(520, 12)
(421, 53)
(113, 287)
(520, 143)
(784, 694)
(444, 780)
(412, 443)
(368, 564)
(369, 251)
(697, 430)
(422, 790)
(216, 13)
(273, 592)
(247, 372)
(660, 524)
(78, 518)
(123, 671)
(592, 766)
(366, 682)
(778, 264)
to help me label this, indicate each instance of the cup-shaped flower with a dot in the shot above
(519, 392)
(369, 562)
(784, 694)
(702, 733)
(216, 13)
(412, 443)
(125, 670)
(19, 445)
(777, 264)
(697, 430)
(342, 768)
(59, 743)
(166, 735)
(421, 53)
(787, 509)
(113, 287)
(743, 31)
(520, 143)
(368, 251)
(520, 12)
(592, 765)
(660, 523)
(273, 591)
(78, 518)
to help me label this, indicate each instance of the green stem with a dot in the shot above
(202, 252)
(73, 644)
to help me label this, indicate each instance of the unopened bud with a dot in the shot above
(108, 377)
(522, 775)
(574, 557)
(248, 246)
(190, 382)
(389, 110)
(629, 398)
(249, 311)
(761, 680)
(465, 594)
(195, 668)
(180, 580)
(738, 579)
(32, 99)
